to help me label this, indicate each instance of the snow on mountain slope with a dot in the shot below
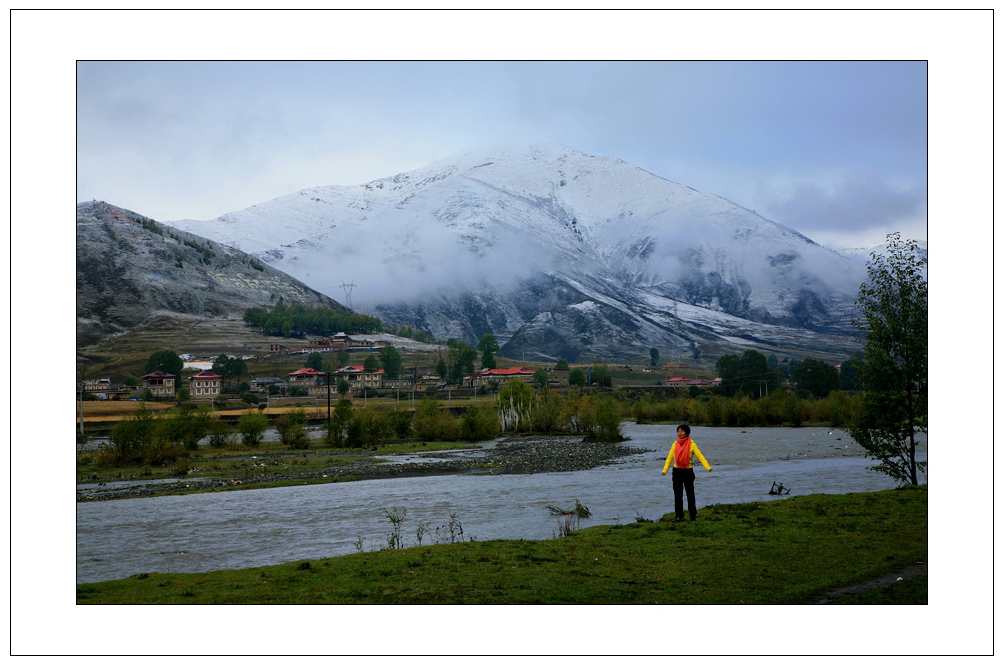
(492, 241)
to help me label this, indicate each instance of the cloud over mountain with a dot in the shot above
(513, 240)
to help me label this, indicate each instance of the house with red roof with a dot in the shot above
(160, 383)
(205, 385)
(500, 376)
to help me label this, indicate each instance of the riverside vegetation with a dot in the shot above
(190, 442)
(801, 550)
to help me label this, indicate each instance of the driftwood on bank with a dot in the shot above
(579, 510)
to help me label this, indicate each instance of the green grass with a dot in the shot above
(790, 551)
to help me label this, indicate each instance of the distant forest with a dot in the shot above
(298, 320)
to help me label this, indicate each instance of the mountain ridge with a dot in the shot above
(470, 244)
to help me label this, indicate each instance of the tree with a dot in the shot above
(816, 376)
(371, 363)
(391, 361)
(850, 370)
(292, 429)
(236, 368)
(540, 378)
(750, 374)
(460, 361)
(315, 361)
(600, 419)
(488, 346)
(441, 368)
(654, 356)
(893, 305)
(165, 361)
(219, 433)
(252, 426)
(220, 365)
(339, 422)
(561, 364)
(576, 377)
(601, 375)
(229, 368)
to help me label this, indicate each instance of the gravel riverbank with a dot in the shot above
(515, 455)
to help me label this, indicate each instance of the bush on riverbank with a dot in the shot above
(790, 551)
(777, 409)
(146, 439)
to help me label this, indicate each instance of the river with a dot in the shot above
(241, 529)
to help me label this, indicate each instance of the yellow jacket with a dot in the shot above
(694, 450)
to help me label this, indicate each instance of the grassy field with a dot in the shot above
(792, 551)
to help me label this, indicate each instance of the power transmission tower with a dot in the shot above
(201, 297)
(348, 293)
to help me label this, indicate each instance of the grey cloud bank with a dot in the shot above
(178, 140)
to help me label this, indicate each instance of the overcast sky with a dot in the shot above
(836, 150)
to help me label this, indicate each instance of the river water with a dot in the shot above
(203, 532)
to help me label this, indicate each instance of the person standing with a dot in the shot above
(680, 455)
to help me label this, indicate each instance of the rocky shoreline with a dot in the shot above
(511, 456)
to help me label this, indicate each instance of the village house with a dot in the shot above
(103, 389)
(160, 383)
(358, 378)
(557, 378)
(263, 384)
(97, 386)
(276, 348)
(419, 384)
(498, 376)
(681, 382)
(204, 385)
(309, 379)
(338, 342)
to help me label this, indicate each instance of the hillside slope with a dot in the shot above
(130, 269)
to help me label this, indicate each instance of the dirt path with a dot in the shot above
(878, 582)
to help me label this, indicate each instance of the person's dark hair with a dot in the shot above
(685, 428)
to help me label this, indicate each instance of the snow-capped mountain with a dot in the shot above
(559, 254)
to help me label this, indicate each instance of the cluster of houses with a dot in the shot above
(683, 382)
(339, 342)
(206, 385)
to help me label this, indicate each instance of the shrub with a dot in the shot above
(252, 428)
(600, 419)
(219, 433)
(479, 422)
(291, 428)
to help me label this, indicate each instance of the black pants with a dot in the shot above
(684, 478)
